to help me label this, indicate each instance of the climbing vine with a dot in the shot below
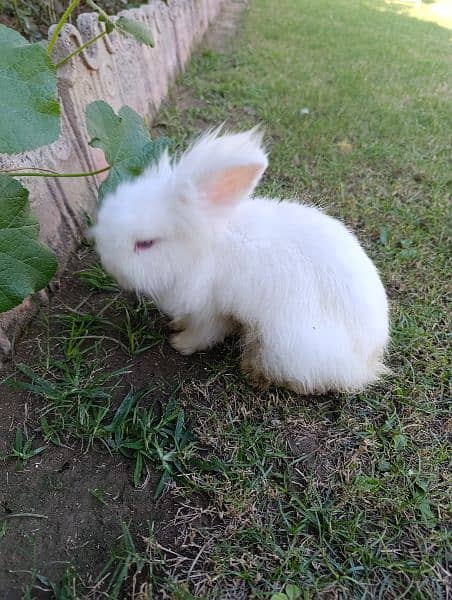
(30, 118)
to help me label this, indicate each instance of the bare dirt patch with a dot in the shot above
(60, 484)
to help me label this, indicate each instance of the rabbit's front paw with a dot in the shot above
(178, 325)
(185, 342)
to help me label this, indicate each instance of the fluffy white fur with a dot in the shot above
(312, 309)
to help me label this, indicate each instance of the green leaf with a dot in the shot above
(292, 591)
(278, 596)
(26, 265)
(135, 29)
(18, 444)
(400, 441)
(29, 108)
(366, 483)
(125, 140)
(123, 410)
(421, 485)
(166, 475)
(36, 451)
(179, 430)
(133, 445)
(384, 236)
(10, 37)
(384, 465)
(427, 515)
(138, 469)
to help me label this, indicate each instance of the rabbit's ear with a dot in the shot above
(223, 169)
(232, 184)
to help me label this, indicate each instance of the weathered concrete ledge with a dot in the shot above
(120, 71)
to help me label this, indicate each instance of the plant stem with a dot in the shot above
(61, 22)
(85, 45)
(16, 173)
(97, 9)
(11, 171)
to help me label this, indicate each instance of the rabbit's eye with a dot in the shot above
(143, 245)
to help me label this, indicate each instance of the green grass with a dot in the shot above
(78, 404)
(338, 496)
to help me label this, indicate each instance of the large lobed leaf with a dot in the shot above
(136, 29)
(125, 140)
(29, 109)
(26, 265)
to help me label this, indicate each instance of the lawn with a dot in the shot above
(150, 475)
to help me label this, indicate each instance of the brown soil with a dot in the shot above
(57, 484)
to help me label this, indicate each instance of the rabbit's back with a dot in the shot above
(286, 252)
(301, 280)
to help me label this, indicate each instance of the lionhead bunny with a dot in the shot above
(310, 304)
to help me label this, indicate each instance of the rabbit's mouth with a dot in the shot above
(141, 245)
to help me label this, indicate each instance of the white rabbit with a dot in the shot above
(312, 309)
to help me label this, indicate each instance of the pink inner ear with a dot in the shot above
(231, 184)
